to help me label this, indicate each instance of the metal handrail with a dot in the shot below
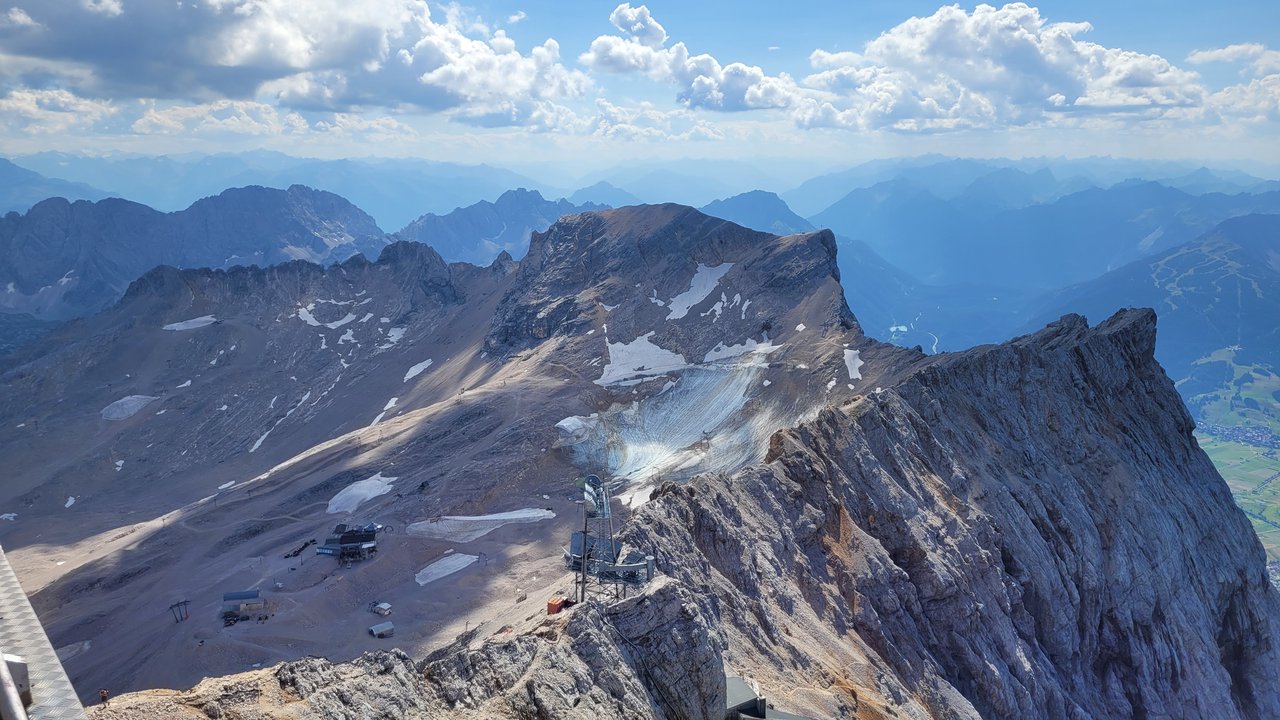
(11, 707)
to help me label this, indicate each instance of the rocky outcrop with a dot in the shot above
(1027, 530)
(654, 656)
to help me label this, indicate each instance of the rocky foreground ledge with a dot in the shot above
(1022, 530)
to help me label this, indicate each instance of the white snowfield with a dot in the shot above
(638, 359)
(192, 324)
(445, 566)
(359, 492)
(704, 281)
(126, 407)
(417, 370)
(385, 409)
(465, 528)
(853, 364)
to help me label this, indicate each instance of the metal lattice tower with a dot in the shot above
(595, 547)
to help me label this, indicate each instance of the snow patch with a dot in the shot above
(70, 501)
(853, 364)
(800, 327)
(126, 407)
(465, 528)
(185, 384)
(390, 404)
(192, 324)
(119, 465)
(722, 351)
(366, 318)
(639, 358)
(444, 567)
(359, 492)
(347, 337)
(417, 370)
(9, 516)
(704, 281)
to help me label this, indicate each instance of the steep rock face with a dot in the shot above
(1028, 530)
(63, 260)
(654, 656)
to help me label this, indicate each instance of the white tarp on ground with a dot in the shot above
(445, 566)
(126, 407)
(465, 528)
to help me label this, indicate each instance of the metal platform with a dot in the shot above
(53, 697)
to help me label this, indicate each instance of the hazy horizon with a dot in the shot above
(581, 88)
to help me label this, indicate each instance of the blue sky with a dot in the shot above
(591, 84)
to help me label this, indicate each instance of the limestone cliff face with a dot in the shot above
(1026, 530)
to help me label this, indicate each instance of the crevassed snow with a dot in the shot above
(358, 492)
(70, 501)
(465, 528)
(445, 566)
(853, 363)
(638, 359)
(704, 281)
(193, 323)
(390, 404)
(185, 384)
(126, 407)
(417, 370)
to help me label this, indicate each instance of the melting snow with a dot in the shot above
(227, 485)
(126, 407)
(347, 337)
(393, 336)
(384, 320)
(852, 362)
(767, 383)
(390, 404)
(638, 359)
(305, 314)
(11, 516)
(119, 465)
(70, 501)
(898, 328)
(416, 370)
(444, 567)
(654, 299)
(722, 351)
(831, 384)
(193, 323)
(800, 327)
(465, 528)
(704, 281)
(358, 492)
(185, 384)
(366, 318)
(608, 308)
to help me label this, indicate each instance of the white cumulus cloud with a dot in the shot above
(702, 81)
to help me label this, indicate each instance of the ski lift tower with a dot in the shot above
(593, 552)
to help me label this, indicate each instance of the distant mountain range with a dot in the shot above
(1039, 247)
(21, 188)
(759, 210)
(479, 233)
(393, 191)
(62, 259)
